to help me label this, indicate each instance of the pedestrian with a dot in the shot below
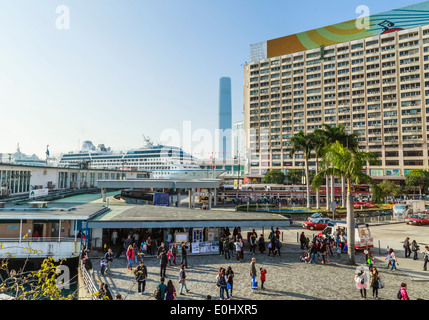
(182, 279)
(162, 288)
(403, 292)
(107, 292)
(252, 273)
(221, 249)
(271, 246)
(374, 281)
(128, 242)
(361, 283)
(163, 261)
(170, 291)
(231, 247)
(130, 257)
(108, 257)
(407, 247)
(222, 282)
(226, 248)
(230, 275)
(242, 248)
(392, 258)
(101, 291)
(277, 245)
(415, 248)
(336, 236)
(161, 248)
(102, 266)
(252, 243)
(114, 237)
(174, 252)
(324, 249)
(313, 252)
(149, 245)
(169, 257)
(184, 253)
(238, 249)
(136, 252)
(140, 274)
(302, 240)
(261, 244)
(118, 297)
(263, 277)
(425, 257)
(277, 233)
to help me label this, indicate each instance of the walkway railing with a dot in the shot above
(40, 239)
(88, 281)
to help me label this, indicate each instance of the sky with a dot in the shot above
(128, 68)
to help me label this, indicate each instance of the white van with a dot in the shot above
(363, 237)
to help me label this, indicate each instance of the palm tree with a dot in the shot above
(348, 140)
(319, 142)
(342, 161)
(303, 143)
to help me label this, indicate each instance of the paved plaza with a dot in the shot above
(287, 277)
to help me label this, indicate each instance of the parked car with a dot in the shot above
(418, 219)
(316, 215)
(363, 214)
(316, 224)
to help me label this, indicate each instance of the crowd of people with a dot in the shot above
(233, 245)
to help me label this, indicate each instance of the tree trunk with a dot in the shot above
(332, 189)
(307, 178)
(350, 225)
(343, 191)
(317, 191)
(327, 192)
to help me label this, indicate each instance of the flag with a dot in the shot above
(47, 150)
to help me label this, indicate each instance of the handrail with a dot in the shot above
(39, 239)
(89, 282)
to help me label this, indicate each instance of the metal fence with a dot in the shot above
(40, 239)
(381, 219)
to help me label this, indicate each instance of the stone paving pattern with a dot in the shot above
(287, 277)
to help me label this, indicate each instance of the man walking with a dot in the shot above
(163, 262)
(221, 249)
(425, 257)
(302, 240)
(253, 243)
(252, 272)
(231, 248)
(226, 248)
(108, 257)
(407, 247)
(184, 254)
(238, 249)
(140, 274)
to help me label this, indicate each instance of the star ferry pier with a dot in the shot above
(201, 229)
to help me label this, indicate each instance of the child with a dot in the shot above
(102, 266)
(169, 257)
(263, 273)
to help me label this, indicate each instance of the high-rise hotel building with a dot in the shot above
(371, 76)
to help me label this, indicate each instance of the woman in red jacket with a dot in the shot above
(130, 257)
(263, 273)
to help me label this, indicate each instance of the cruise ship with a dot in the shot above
(163, 162)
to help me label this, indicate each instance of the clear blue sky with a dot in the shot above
(127, 68)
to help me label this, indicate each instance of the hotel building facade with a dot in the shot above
(376, 84)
